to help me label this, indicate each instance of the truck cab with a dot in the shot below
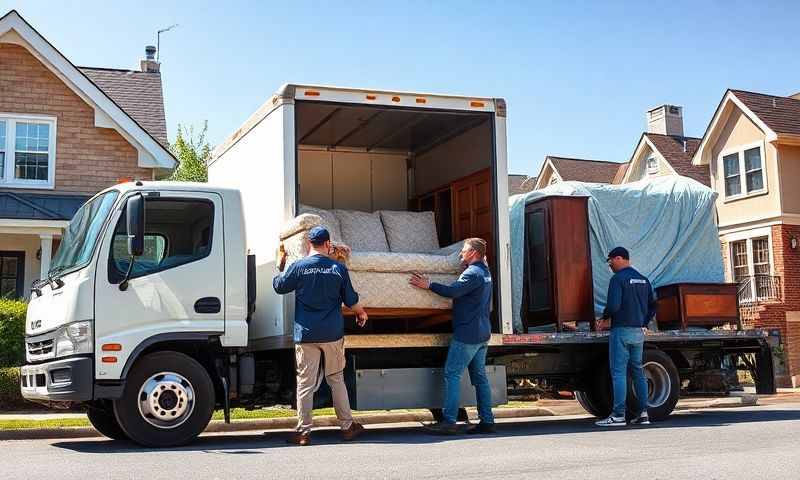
(142, 267)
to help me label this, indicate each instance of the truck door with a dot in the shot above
(176, 287)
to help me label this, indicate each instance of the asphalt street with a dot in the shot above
(754, 442)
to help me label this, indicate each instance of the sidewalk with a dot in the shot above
(542, 408)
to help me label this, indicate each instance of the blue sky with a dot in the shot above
(578, 76)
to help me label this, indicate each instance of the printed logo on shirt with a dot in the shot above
(637, 280)
(323, 271)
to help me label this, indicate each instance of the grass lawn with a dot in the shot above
(236, 414)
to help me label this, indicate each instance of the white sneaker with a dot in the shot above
(642, 419)
(611, 421)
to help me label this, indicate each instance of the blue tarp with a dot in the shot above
(668, 225)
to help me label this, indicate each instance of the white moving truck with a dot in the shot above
(159, 304)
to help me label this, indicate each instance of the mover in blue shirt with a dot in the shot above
(630, 305)
(321, 285)
(472, 297)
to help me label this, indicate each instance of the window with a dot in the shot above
(27, 151)
(741, 267)
(179, 231)
(652, 164)
(752, 267)
(743, 172)
(12, 274)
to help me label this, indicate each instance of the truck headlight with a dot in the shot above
(74, 338)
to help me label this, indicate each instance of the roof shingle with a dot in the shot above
(520, 184)
(582, 170)
(679, 155)
(139, 94)
(780, 114)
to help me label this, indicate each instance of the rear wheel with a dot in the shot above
(103, 420)
(168, 400)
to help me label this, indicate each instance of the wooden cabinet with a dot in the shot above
(472, 210)
(684, 305)
(441, 204)
(557, 264)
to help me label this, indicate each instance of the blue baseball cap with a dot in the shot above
(619, 252)
(318, 235)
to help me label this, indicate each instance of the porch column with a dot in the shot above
(47, 250)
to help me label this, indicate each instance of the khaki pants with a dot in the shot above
(307, 356)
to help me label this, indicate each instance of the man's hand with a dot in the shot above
(361, 315)
(601, 324)
(282, 256)
(420, 281)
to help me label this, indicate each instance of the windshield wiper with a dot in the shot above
(54, 278)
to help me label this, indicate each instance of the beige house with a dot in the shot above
(752, 147)
(664, 150)
(563, 169)
(66, 132)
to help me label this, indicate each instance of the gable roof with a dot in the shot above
(671, 148)
(584, 170)
(781, 114)
(108, 113)
(520, 184)
(621, 171)
(139, 94)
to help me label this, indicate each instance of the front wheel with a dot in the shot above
(103, 420)
(168, 400)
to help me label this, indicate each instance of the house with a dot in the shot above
(664, 150)
(562, 169)
(520, 184)
(66, 132)
(752, 146)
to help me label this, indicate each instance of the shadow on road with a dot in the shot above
(243, 444)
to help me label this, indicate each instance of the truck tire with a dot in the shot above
(104, 421)
(593, 405)
(663, 384)
(168, 400)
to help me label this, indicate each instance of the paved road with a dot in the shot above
(757, 442)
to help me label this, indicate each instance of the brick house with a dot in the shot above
(752, 146)
(66, 132)
(563, 169)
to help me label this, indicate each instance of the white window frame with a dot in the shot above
(8, 179)
(651, 169)
(739, 151)
(748, 237)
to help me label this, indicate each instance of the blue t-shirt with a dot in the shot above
(472, 297)
(631, 301)
(321, 285)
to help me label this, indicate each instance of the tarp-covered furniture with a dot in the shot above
(668, 224)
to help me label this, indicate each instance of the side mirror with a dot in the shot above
(135, 218)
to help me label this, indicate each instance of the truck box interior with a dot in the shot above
(375, 159)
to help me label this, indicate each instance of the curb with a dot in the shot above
(287, 423)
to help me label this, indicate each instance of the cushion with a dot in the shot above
(362, 231)
(329, 220)
(410, 231)
(404, 262)
(392, 290)
(300, 223)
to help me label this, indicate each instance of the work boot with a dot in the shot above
(482, 429)
(351, 433)
(299, 438)
(442, 428)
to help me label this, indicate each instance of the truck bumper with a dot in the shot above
(66, 380)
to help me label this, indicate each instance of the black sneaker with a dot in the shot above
(642, 419)
(611, 421)
(482, 428)
(442, 428)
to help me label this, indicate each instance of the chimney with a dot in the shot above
(149, 63)
(666, 120)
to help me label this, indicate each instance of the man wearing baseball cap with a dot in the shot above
(321, 285)
(630, 305)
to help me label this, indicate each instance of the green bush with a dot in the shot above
(10, 396)
(12, 332)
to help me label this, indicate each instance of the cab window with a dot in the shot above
(178, 231)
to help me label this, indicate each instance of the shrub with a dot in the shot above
(12, 332)
(10, 396)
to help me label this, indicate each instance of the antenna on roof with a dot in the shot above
(158, 39)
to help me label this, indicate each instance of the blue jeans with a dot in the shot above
(473, 357)
(625, 347)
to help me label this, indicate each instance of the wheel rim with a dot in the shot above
(659, 384)
(166, 400)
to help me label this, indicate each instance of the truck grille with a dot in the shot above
(40, 350)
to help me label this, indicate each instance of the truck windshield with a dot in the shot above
(81, 235)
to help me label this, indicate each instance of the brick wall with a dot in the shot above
(88, 158)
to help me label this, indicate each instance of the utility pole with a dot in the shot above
(158, 39)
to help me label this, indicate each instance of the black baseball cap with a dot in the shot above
(619, 252)
(318, 235)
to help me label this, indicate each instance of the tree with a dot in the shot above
(193, 153)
